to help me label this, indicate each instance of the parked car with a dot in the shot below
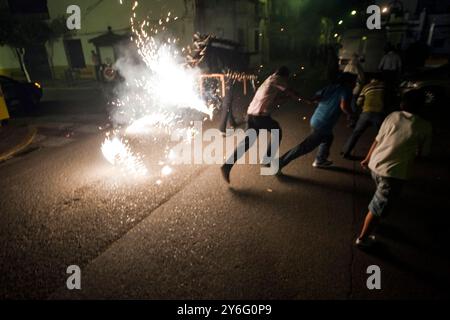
(435, 83)
(21, 97)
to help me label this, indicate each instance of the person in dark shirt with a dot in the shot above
(333, 100)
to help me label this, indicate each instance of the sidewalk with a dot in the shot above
(14, 139)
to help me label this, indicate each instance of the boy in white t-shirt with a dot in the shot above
(402, 136)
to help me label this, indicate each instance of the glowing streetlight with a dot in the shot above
(340, 22)
(353, 13)
(336, 35)
(385, 10)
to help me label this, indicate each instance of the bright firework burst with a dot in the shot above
(154, 93)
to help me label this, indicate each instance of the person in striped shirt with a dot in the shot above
(372, 100)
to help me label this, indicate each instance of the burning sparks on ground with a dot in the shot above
(118, 153)
(166, 170)
(155, 92)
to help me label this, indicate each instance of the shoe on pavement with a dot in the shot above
(322, 164)
(369, 242)
(226, 169)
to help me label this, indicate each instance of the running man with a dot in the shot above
(271, 93)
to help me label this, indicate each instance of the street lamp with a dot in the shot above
(340, 22)
(385, 10)
(353, 13)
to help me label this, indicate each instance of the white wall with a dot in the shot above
(8, 58)
(225, 19)
(97, 15)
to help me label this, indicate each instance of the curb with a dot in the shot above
(20, 146)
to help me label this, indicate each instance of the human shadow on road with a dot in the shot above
(256, 195)
(346, 170)
(246, 193)
(355, 158)
(249, 196)
(316, 183)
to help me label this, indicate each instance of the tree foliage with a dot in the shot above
(22, 31)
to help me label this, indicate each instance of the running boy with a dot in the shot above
(402, 136)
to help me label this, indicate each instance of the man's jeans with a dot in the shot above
(257, 123)
(227, 111)
(366, 119)
(317, 138)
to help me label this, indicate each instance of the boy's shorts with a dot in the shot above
(388, 190)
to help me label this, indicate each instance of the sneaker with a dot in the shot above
(365, 243)
(322, 164)
(226, 169)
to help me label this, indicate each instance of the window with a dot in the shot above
(74, 52)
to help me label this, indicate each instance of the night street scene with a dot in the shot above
(240, 151)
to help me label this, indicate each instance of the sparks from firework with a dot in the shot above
(118, 153)
(153, 95)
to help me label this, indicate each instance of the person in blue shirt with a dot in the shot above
(333, 100)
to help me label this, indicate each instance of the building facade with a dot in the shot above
(426, 21)
(242, 21)
(419, 29)
(104, 21)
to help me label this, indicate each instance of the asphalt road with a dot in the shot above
(193, 236)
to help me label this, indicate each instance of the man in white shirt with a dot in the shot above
(271, 93)
(402, 136)
(391, 61)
